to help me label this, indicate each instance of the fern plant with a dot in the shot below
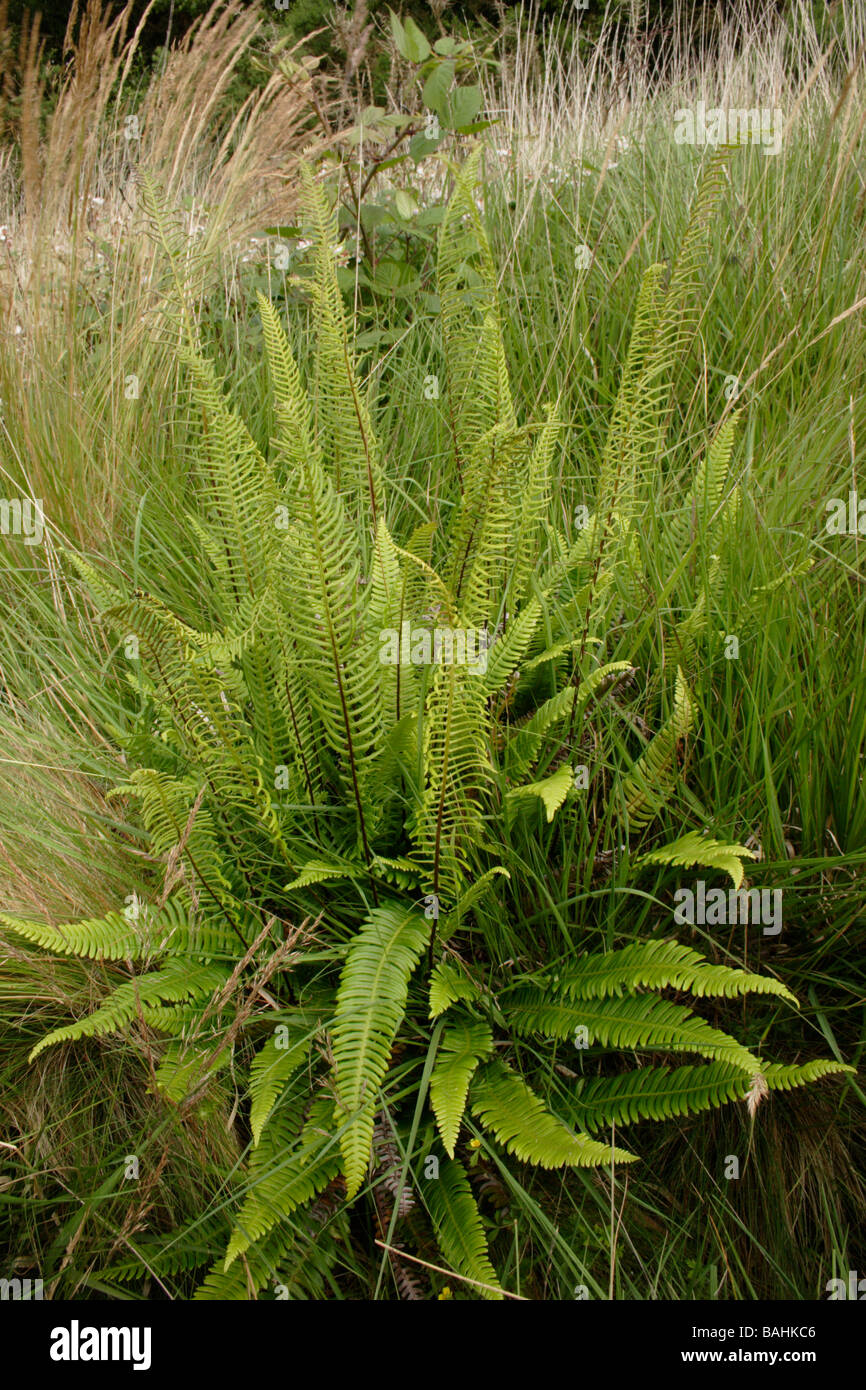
(328, 824)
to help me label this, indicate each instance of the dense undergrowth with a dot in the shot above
(628, 556)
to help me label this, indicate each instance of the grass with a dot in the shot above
(778, 758)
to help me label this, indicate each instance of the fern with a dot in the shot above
(370, 1006)
(459, 1229)
(447, 987)
(506, 1106)
(463, 1046)
(289, 1169)
(649, 782)
(659, 965)
(656, 1093)
(694, 848)
(137, 932)
(551, 790)
(178, 979)
(317, 818)
(632, 1024)
(276, 1060)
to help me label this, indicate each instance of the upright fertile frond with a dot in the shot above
(525, 745)
(239, 497)
(384, 614)
(344, 429)
(665, 323)
(448, 824)
(478, 393)
(703, 500)
(320, 571)
(481, 538)
(680, 310)
(507, 652)
(650, 781)
(370, 1005)
(533, 499)
(176, 247)
(624, 439)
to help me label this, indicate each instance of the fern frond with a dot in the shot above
(288, 1169)
(660, 965)
(277, 1059)
(526, 743)
(458, 1226)
(642, 1023)
(695, 848)
(462, 1047)
(450, 921)
(650, 781)
(448, 824)
(781, 1077)
(478, 396)
(507, 1107)
(551, 790)
(118, 936)
(344, 428)
(178, 979)
(370, 1005)
(655, 1093)
(448, 986)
